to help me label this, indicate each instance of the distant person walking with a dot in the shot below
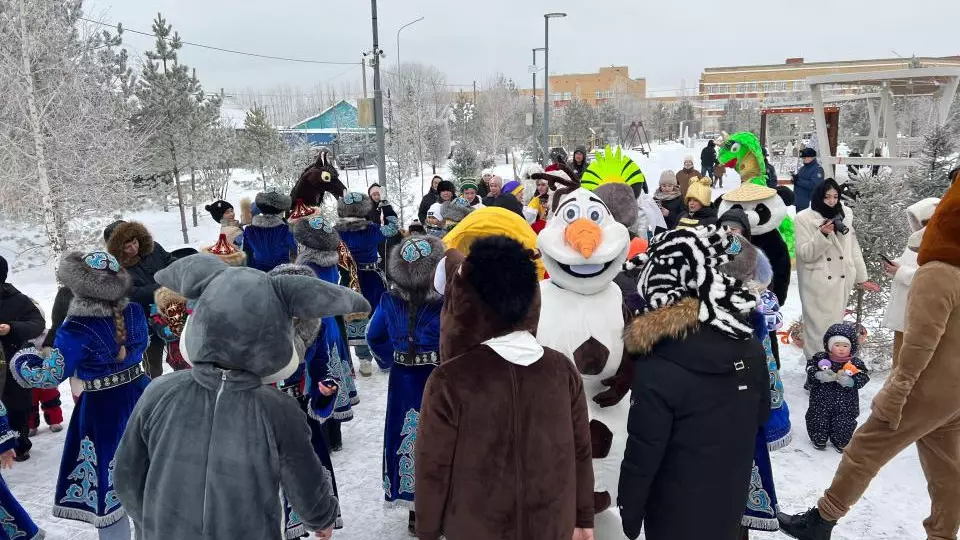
(807, 178)
(708, 160)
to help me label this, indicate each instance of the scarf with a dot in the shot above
(840, 359)
(817, 204)
(659, 195)
(685, 263)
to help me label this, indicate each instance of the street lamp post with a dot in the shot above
(533, 120)
(546, 82)
(411, 23)
(378, 99)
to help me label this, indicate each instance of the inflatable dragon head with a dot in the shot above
(583, 246)
(742, 152)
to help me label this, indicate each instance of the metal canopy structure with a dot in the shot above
(937, 83)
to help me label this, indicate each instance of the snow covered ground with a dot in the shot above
(893, 507)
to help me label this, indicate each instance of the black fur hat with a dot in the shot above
(413, 263)
(97, 275)
(504, 276)
(218, 209)
(354, 204)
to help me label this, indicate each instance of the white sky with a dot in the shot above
(668, 42)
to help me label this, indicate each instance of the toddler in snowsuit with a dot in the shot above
(835, 377)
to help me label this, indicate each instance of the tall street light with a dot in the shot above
(546, 82)
(378, 99)
(411, 23)
(533, 69)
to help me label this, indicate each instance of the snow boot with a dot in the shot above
(33, 432)
(56, 428)
(820, 446)
(366, 367)
(806, 526)
(412, 524)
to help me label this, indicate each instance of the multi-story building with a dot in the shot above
(766, 83)
(593, 88)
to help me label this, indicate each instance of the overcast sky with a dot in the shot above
(669, 42)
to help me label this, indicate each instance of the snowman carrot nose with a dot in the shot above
(584, 236)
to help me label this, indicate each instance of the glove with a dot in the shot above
(391, 228)
(826, 376)
(889, 402)
(619, 384)
(845, 380)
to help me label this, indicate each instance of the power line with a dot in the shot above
(232, 51)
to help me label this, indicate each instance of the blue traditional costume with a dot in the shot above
(762, 506)
(362, 238)
(404, 335)
(267, 240)
(303, 386)
(15, 523)
(101, 342)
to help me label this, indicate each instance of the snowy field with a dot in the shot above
(892, 508)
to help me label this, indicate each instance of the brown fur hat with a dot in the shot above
(125, 232)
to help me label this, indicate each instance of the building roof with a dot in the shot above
(350, 102)
(904, 82)
(836, 63)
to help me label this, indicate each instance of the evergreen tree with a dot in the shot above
(882, 231)
(929, 178)
(466, 163)
(578, 119)
(261, 141)
(167, 108)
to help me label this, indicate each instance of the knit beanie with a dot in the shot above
(737, 217)
(837, 339)
(469, 184)
(4, 268)
(668, 178)
(435, 211)
(218, 209)
(941, 239)
(700, 190)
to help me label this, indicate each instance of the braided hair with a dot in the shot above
(120, 331)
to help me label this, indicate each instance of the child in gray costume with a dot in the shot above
(217, 472)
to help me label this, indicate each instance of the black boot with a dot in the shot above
(806, 526)
(412, 523)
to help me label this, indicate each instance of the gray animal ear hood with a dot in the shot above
(243, 319)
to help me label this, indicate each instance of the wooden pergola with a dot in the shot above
(938, 83)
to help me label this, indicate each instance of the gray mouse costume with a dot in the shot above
(217, 471)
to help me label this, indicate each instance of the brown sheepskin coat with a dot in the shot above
(503, 450)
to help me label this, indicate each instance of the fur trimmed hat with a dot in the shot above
(273, 202)
(227, 252)
(941, 239)
(218, 209)
(97, 275)
(124, 232)
(317, 232)
(621, 201)
(413, 262)
(446, 185)
(356, 205)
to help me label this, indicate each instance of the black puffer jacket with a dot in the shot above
(149, 260)
(58, 314)
(24, 317)
(696, 406)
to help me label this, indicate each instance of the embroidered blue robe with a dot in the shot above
(388, 332)
(268, 247)
(85, 347)
(15, 523)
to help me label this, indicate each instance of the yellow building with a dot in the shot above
(593, 88)
(718, 85)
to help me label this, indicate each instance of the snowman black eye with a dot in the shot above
(595, 214)
(571, 213)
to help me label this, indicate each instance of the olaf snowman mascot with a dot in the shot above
(583, 249)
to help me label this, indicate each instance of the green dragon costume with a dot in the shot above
(743, 153)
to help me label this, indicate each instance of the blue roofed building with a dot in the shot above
(336, 126)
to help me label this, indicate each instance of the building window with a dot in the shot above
(567, 96)
(599, 94)
(751, 87)
(799, 85)
(557, 96)
(741, 88)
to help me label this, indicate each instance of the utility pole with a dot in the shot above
(533, 120)
(378, 100)
(546, 83)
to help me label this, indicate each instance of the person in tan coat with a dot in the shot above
(503, 448)
(687, 175)
(919, 402)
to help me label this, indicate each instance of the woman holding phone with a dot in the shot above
(829, 263)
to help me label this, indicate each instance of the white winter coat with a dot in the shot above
(896, 316)
(828, 268)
